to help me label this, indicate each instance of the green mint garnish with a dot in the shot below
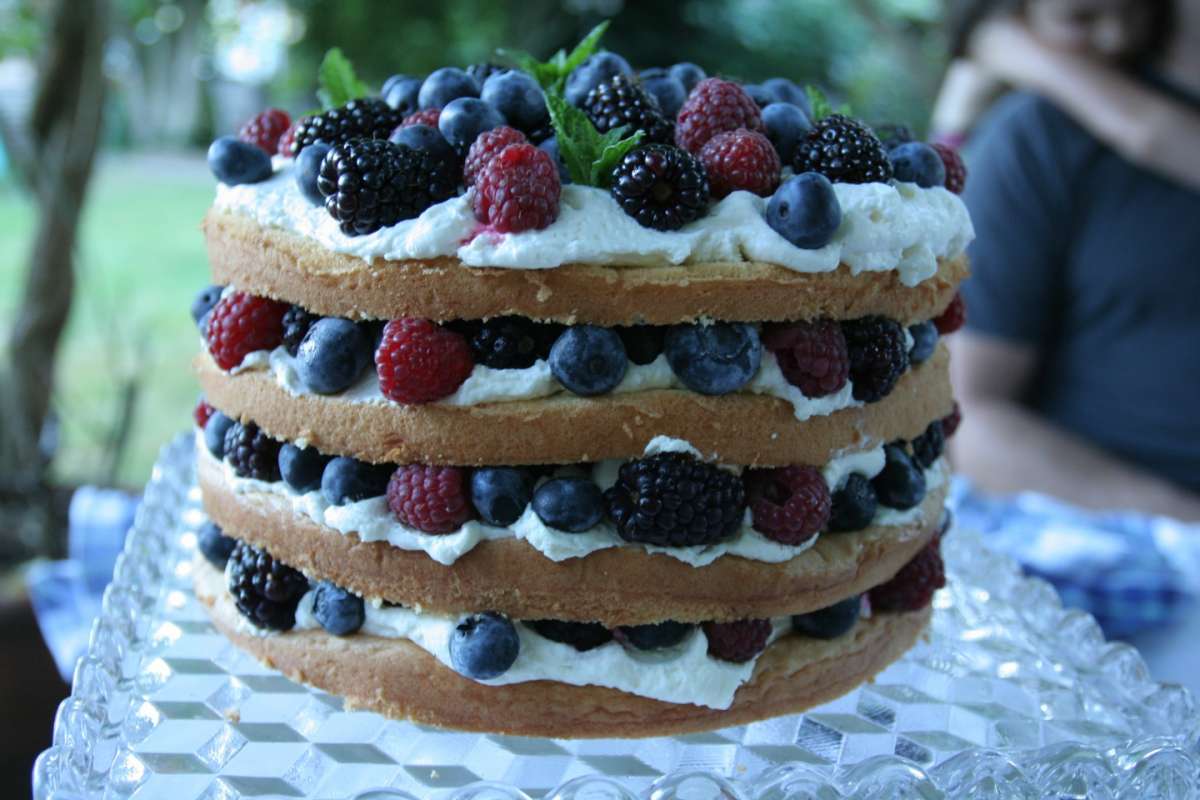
(821, 107)
(553, 74)
(589, 155)
(339, 84)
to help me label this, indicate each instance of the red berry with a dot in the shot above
(953, 317)
(811, 355)
(951, 421)
(741, 160)
(486, 147)
(429, 498)
(737, 641)
(419, 361)
(913, 587)
(956, 170)
(266, 130)
(288, 140)
(789, 505)
(517, 190)
(713, 107)
(241, 324)
(202, 412)
(426, 116)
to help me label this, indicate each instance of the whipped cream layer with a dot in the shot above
(885, 226)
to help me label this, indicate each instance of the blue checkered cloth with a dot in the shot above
(1131, 571)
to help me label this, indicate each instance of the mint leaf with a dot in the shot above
(552, 74)
(819, 102)
(614, 146)
(589, 155)
(585, 48)
(339, 84)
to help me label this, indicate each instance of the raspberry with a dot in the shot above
(296, 322)
(790, 505)
(518, 190)
(366, 118)
(737, 641)
(426, 116)
(956, 170)
(953, 317)
(660, 186)
(715, 106)
(485, 147)
(843, 150)
(241, 324)
(674, 500)
(913, 587)
(266, 591)
(878, 356)
(741, 160)
(202, 412)
(419, 362)
(951, 421)
(582, 636)
(266, 130)
(928, 447)
(288, 140)
(811, 355)
(252, 453)
(621, 100)
(430, 498)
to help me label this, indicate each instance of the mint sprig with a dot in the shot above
(821, 107)
(552, 74)
(338, 82)
(589, 155)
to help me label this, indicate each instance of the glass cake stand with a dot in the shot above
(1011, 697)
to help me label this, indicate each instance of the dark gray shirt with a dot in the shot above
(1096, 263)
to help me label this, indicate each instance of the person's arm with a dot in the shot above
(1003, 447)
(1141, 124)
(965, 94)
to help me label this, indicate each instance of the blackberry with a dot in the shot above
(843, 150)
(673, 500)
(928, 447)
(266, 591)
(508, 343)
(369, 184)
(661, 186)
(580, 635)
(621, 100)
(878, 356)
(252, 453)
(296, 322)
(366, 118)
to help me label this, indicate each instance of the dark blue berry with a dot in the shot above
(786, 125)
(400, 92)
(917, 162)
(714, 359)
(550, 146)
(925, 338)
(805, 211)
(214, 545)
(484, 646)
(902, 483)
(203, 303)
(425, 139)
(854, 505)
(786, 91)
(668, 91)
(444, 85)
(332, 356)
(339, 612)
(233, 161)
(348, 480)
(573, 505)
(643, 343)
(518, 97)
(500, 494)
(308, 167)
(214, 433)
(588, 360)
(761, 95)
(688, 74)
(583, 636)
(464, 119)
(301, 467)
(595, 70)
(829, 622)
(655, 635)
(928, 447)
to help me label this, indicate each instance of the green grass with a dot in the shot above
(141, 259)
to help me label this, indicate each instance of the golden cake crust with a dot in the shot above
(285, 266)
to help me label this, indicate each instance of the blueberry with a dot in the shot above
(234, 161)
(714, 359)
(302, 467)
(517, 97)
(917, 162)
(669, 92)
(573, 505)
(761, 95)
(214, 545)
(854, 505)
(484, 646)
(339, 612)
(688, 74)
(332, 355)
(444, 85)
(204, 301)
(308, 165)
(588, 360)
(550, 146)
(348, 480)
(595, 70)
(786, 125)
(214, 433)
(655, 635)
(829, 622)
(902, 483)
(643, 343)
(400, 92)
(425, 139)
(925, 338)
(500, 494)
(786, 91)
(464, 119)
(805, 211)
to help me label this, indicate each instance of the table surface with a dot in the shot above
(1011, 696)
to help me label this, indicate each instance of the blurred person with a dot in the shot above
(1079, 368)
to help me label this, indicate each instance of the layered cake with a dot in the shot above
(563, 400)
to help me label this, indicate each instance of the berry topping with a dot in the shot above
(786, 124)
(688, 74)
(339, 612)
(429, 498)
(674, 500)
(483, 70)
(878, 356)
(811, 355)
(549, 146)
(913, 587)
(233, 161)
(251, 452)
(332, 356)
(953, 317)
(202, 412)
(241, 324)
(761, 95)
(805, 211)
(784, 90)
(426, 139)
(713, 107)
(462, 120)
(843, 150)
(927, 448)
(737, 641)
(917, 162)
(203, 302)
(582, 636)
(714, 359)
(517, 190)
(266, 129)
(925, 339)
(308, 171)
(902, 483)
(740, 160)
(214, 545)
(643, 343)
(573, 505)
(487, 146)
(287, 142)
(660, 186)
(419, 361)
(348, 480)
(654, 636)
(892, 136)
(365, 118)
(956, 170)
(829, 622)
(266, 591)
(302, 467)
(484, 646)
(445, 85)
(621, 100)
(853, 505)
(595, 70)
(400, 92)
(588, 360)
(426, 116)
(214, 433)
(951, 421)
(667, 91)
(500, 494)
(510, 342)
(296, 322)
(518, 97)
(789, 505)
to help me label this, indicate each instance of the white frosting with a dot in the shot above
(884, 226)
